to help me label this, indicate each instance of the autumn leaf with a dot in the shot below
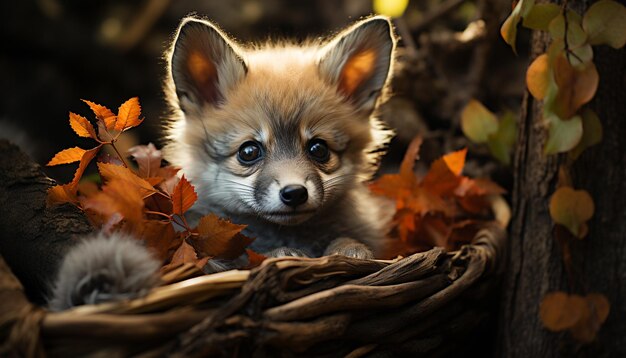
(572, 209)
(508, 31)
(82, 127)
(538, 76)
(477, 122)
(128, 115)
(605, 23)
(160, 237)
(254, 259)
(183, 196)
(563, 135)
(117, 197)
(559, 311)
(592, 132)
(66, 156)
(60, 194)
(113, 172)
(576, 86)
(184, 254)
(540, 16)
(220, 238)
(148, 159)
(103, 114)
(443, 176)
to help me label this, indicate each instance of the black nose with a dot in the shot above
(293, 195)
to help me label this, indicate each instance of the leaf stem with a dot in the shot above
(112, 143)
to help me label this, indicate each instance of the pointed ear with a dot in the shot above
(358, 61)
(204, 64)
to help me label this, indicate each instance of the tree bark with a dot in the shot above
(599, 260)
(33, 237)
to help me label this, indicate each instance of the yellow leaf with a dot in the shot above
(391, 8)
(508, 31)
(540, 16)
(572, 209)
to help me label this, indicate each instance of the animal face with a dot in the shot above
(279, 131)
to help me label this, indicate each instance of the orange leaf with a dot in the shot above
(183, 196)
(254, 259)
(112, 171)
(84, 162)
(412, 154)
(117, 197)
(103, 114)
(220, 238)
(538, 77)
(82, 126)
(443, 177)
(128, 115)
(60, 194)
(66, 156)
(572, 209)
(560, 311)
(575, 86)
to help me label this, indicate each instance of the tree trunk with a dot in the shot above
(599, 260)
(33, 237)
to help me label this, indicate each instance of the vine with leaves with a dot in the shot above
(565, 79)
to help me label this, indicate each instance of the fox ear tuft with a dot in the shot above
(204, 64)
(358, 61)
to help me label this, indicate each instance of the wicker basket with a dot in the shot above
(331, 306)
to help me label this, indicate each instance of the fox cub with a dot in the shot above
(278, 136)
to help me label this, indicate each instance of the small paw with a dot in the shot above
(350, 248)
(286, 252)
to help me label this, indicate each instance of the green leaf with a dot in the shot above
(540, 16)
(501, 142)
(392, 8)
(592, 133)
(576, 36)
(477, 122)
(605, 24)
(563, 135)
(508, 31)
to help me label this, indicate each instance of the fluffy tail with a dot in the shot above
(103, 268)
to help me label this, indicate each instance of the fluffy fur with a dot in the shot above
(282, 95)
(100, 269)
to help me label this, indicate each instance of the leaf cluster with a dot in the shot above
(443, 208)
(148, 199)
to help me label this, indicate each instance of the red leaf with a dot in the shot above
(183, 196)
(254, 259)
(160, 237)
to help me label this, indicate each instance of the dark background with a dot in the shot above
(56, 52)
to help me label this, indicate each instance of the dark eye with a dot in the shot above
(249, 152)
(318, 150)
